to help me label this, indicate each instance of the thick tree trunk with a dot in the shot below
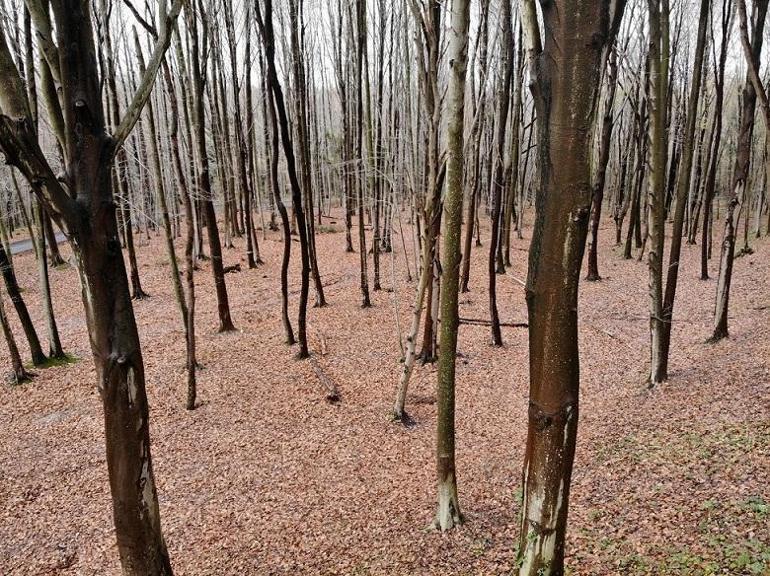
(120, 377)
(565, 87)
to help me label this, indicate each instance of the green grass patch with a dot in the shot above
(54, 362)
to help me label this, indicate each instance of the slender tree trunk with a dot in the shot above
(268, 113)
(266, 29)
(448, 510)
(601, 169)
(683, 185)
(503, 102)
(14, 293)
(742, 164)
(55, 349)
(659, 55)
(18, 374)
(198, 66)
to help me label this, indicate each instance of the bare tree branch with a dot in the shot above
(148, 79)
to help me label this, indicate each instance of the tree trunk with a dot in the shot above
(18, 374)
(271, 124)
(503, 102)
(601, 169)
(14, 293)
(659, 56)
(55, 349)
(565, 86)
(448, 510)
(266, 29)
(199, 123)
(683, 186)
(740, 173)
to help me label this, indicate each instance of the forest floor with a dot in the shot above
(266, 477)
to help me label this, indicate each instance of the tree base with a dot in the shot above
(401, 417)
(17, 378)
(717, 336)
(448, 513)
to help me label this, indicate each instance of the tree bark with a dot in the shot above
(565, 86)
(601, 169)
(740, 172)
(683, 186)
(14, 293)
(448, 510)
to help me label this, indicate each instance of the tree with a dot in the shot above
(714, 152)
(565, 86)
(83, 204)
(296, 8)
(19, 374)
(742, 161)
(601, 170)
(198, 72)
(428, 19)
(494, 262)
(448, 512)
(14, 293)
(359, 122)
(659, 60)
(659, 372)
(274, 88)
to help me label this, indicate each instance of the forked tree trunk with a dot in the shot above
(92, 228)
(430, 22)
(266, 29)
(296, 17)
(198, 66)
(503, 102)
(268, 112)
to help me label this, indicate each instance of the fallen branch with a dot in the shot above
(234, 268)
(481, 322)
(329, 283)
(332, 394)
